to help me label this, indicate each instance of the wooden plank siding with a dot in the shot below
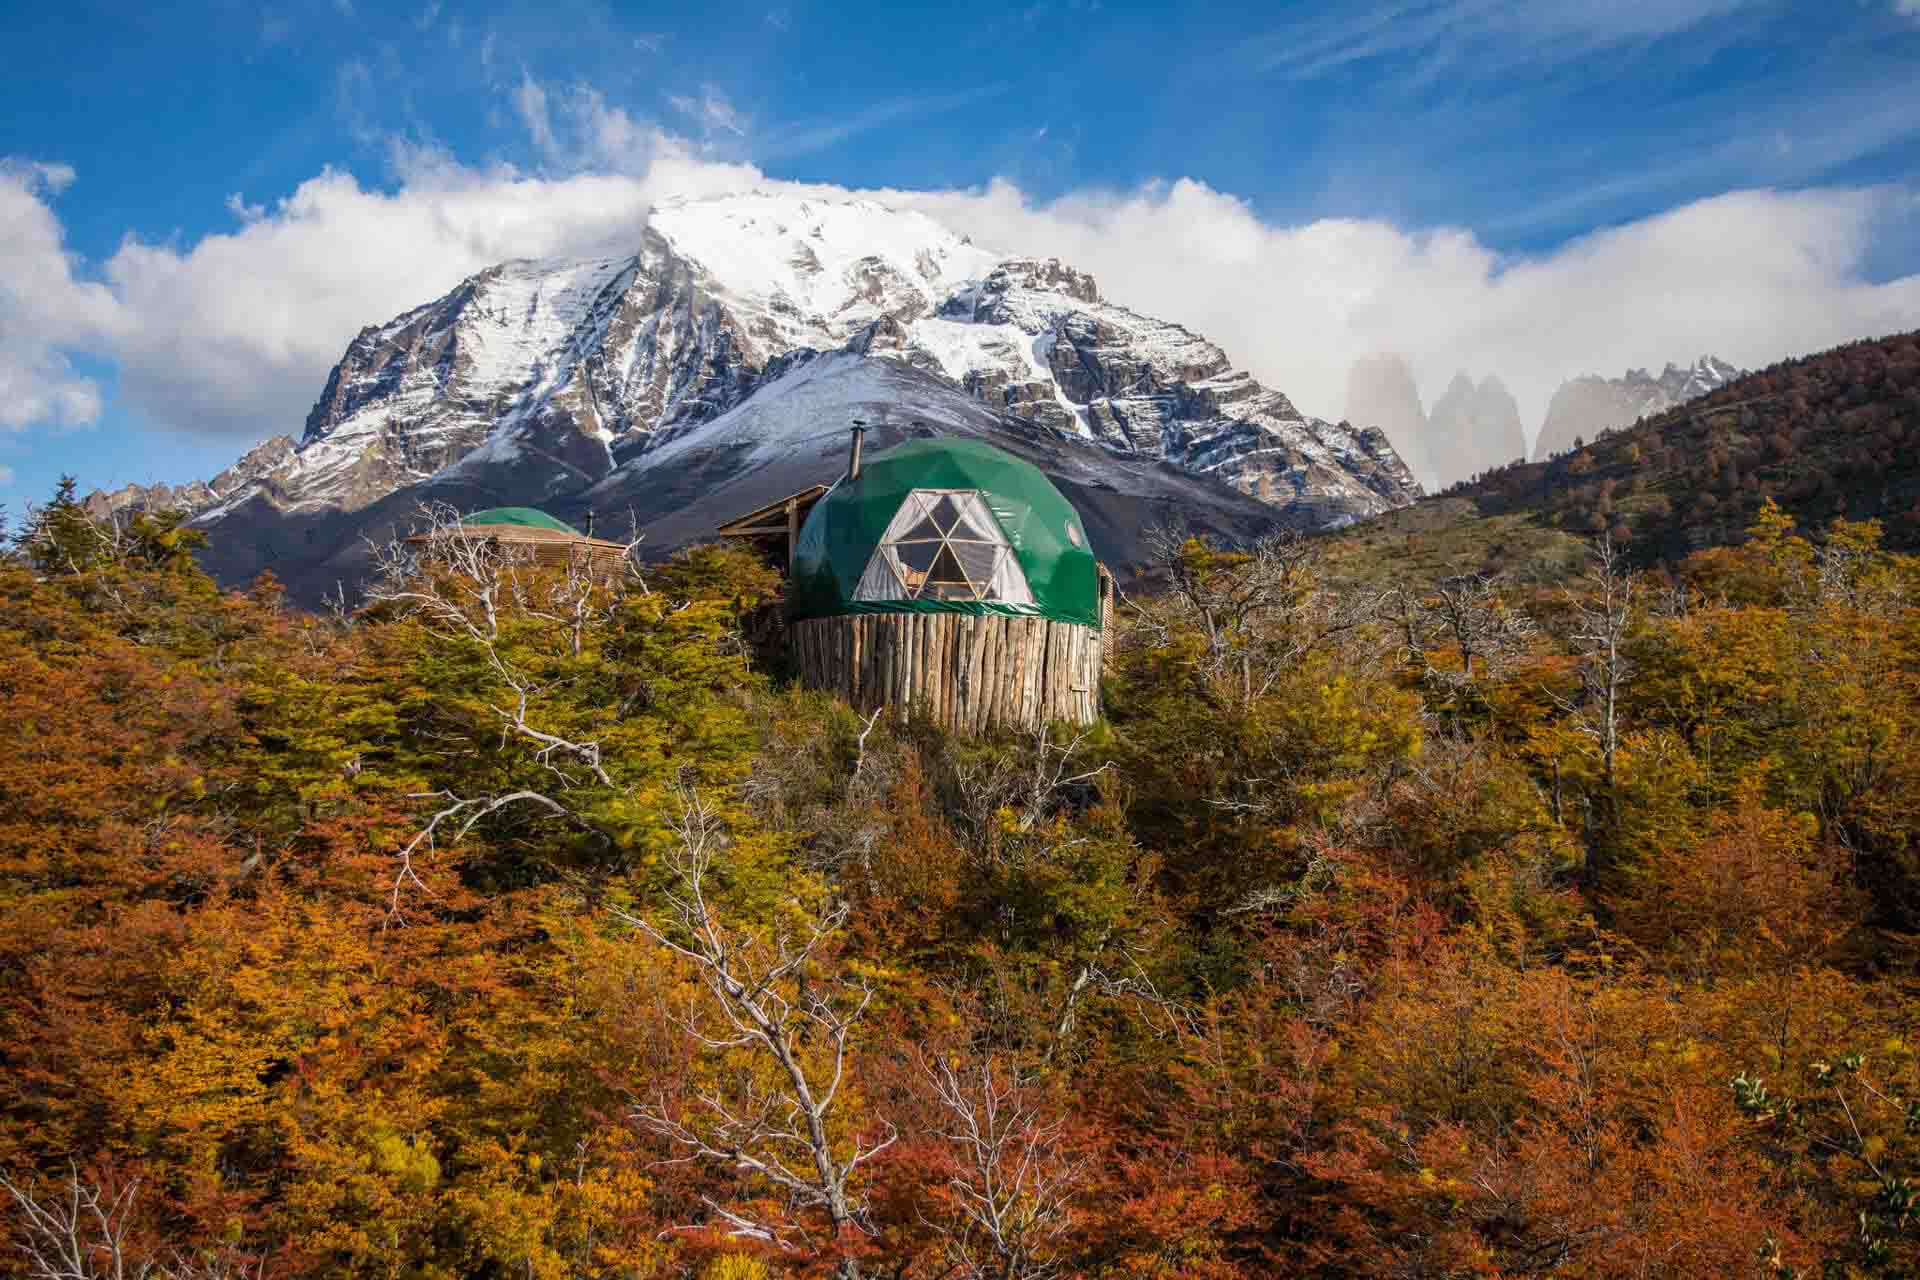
(969, 672)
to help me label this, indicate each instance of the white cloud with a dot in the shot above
(235, 335)
(530, 102)
(6, 476)
(713, 111)
(44, 311)
(1907, 8)
(1750, 276)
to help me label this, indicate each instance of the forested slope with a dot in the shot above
(525, 926)
(1829, 436)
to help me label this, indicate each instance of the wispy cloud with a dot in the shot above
(713, 111)
(1907, 8)
(1488, 34)
(353, 99)
(1783, 145)
(530, 104)
(801, 137)
(650, 41)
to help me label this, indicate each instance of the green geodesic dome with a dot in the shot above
(837, 563)
(527, 517)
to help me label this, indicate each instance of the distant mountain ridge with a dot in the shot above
(1584, 407)
(1473, 428)
(545, 378)
(197, 495)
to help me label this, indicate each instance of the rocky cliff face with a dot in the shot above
(1474, 428)
(1587, 406)
(1381, 395)
(1035, 339)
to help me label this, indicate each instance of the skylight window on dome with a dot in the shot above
(944, 544)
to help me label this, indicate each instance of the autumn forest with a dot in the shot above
(526, 924)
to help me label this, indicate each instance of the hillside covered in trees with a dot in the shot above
(523, 925)
(1826, 437)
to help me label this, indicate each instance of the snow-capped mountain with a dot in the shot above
(570, 367)
(791, 433)
(1584, 407)
(538, 381)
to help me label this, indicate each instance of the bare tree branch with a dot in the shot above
(1015, 1182)
(82, 1232)
(767, 994)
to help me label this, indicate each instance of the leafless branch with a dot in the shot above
(1467, 614)
(1014, 1183)
(767, 992)
(80, 1231)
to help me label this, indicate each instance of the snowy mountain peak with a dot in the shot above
(535, 380)
(834, 266)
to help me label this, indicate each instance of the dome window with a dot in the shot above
(944, 544)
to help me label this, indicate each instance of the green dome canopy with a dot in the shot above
(526, 516)
(945, 526)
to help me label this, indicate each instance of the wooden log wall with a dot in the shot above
(962, 670)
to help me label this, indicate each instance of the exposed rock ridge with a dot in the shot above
(1474, 428)
(1584, 407)
(195, 496)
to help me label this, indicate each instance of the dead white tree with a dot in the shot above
(79, 1231)
(1033, 784)
(767, 991)
(1015, 1180)
(1604, 609)
(1468, 614)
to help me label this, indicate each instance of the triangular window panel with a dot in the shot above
(926, 529)
(976, 522)
(918, 555)
(946, 570)
(976, 560)
(879, 582)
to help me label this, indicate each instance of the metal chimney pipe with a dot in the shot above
(853, 457)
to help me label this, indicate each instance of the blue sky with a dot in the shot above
(1480, 145)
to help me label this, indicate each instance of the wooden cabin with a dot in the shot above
(950, 579)
(534, 537)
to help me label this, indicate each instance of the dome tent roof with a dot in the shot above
(837, 544)
(527, 517)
